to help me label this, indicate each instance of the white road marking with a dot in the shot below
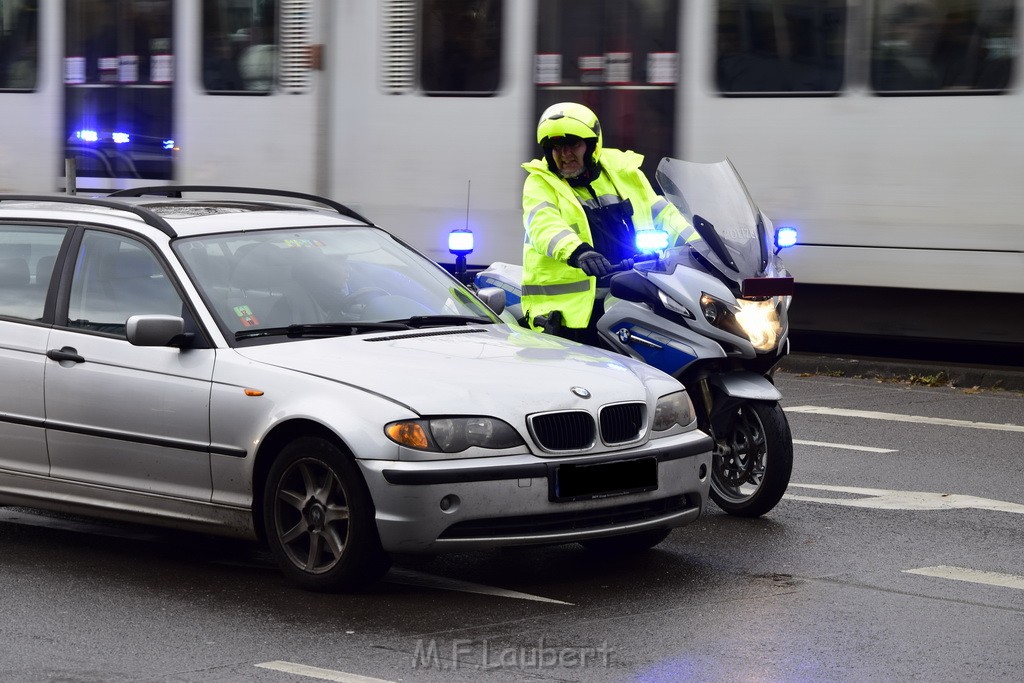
(414, 578)
(970, 575)
(850, 447)
(396, 575)
(896, 417)
(322, 674)
(883, 499)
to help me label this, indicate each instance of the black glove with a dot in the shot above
(550, 323)
(593, 264)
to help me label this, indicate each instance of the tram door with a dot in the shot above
(621, 59)
(118, 85)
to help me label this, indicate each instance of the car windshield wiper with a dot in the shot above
(442, 320)
(321, 329)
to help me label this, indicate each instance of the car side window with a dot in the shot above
(115, 278)
(27, 255)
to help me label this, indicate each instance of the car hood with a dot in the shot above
(493, 370)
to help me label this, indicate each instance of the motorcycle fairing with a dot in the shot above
(735, 244)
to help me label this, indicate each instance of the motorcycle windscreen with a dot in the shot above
(716, 202)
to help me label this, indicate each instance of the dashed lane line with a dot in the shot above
(846, 446)
(896, 417)
(883, 499)
(970, 575)
(414, 578)
(321, 674)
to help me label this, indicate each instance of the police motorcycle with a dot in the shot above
(714, 314)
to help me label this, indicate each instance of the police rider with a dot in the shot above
(582, 206)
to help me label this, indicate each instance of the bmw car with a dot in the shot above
(272, 365)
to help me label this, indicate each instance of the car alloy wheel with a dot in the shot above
(319, 518)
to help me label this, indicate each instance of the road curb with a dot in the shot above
(921, 372)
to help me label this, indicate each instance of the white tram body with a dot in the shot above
(418, 114)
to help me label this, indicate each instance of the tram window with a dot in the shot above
(943, 46)
(118, 43)
(239, 46)
(621, 59)
(780, 46)
(460, 49)
(118, 85)
(19, 45)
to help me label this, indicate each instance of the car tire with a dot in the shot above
(319, 518)
(627, 543)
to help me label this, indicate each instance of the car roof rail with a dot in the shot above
(176, 190)
(151, 218)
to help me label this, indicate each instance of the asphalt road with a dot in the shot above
(895, 556)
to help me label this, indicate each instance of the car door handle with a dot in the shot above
(66, 353)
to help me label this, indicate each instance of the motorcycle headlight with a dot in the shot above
(727, 317)
(453, 434)
(671, 410)
(711, 307)
(760, 322)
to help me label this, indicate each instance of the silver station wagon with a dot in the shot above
(282, 369)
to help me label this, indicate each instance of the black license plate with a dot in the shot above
(600, 480)
(768, 286)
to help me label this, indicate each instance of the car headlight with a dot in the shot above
(671, 410)
(453, 434)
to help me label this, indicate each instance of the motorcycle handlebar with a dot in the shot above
(628, 263)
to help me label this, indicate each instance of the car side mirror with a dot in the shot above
(493, 298)
(157, 330)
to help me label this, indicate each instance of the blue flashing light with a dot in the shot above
(120, 138)
(87, 135)
(648, 241)
(168, 144)
(785, 237)
(460, 242)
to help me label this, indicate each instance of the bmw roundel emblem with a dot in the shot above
(624, 335)
(581, 392)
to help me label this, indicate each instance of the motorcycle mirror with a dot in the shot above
(631, 286)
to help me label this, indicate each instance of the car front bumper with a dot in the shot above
(454, 504)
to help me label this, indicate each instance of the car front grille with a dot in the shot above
(564, 431)
(622, 422)
(575, 430)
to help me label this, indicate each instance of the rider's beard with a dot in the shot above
(569, 175)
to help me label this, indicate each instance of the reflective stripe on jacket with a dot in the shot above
(556, 226)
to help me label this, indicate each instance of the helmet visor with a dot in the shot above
(559, 141)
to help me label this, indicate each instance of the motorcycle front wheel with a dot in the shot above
(752, 460)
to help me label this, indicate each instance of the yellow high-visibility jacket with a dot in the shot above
(556, 226)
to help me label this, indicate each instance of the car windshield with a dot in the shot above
(317, 281)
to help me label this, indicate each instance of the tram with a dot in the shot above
(887, 131)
